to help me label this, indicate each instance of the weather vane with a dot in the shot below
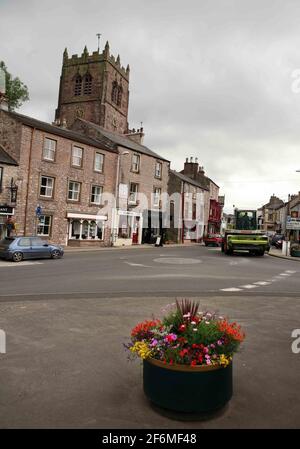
(98, 36)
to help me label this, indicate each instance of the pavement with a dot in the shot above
(65, 365)
(278, 253)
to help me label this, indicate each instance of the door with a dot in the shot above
(39, 248)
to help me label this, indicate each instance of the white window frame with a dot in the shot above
(135, 163)
(100, 170)
(74, 191)
(49, 150)
(158, 169)
(77, 157)
(94, 195)
(47, 186)
(156, 196)
(133, 194)
(42, 224)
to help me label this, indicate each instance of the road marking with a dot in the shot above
(284, 274)
(137, 264)
(20, 264)
(262, 283)
(232, 289)
(249, 286)
(290, 271)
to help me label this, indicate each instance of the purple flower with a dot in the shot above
(219, 342)
(154, 342)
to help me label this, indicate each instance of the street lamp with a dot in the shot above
(116, 198)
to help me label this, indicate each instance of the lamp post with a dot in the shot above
(116, 196)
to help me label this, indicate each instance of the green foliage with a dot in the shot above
(16, 90)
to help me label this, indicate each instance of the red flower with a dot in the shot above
(144, 327)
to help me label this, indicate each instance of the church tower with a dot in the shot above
(96, 88)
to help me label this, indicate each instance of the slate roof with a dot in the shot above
(63, 132)
(188, 180)
(5, 158)
(122, 140)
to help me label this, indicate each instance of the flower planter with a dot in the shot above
(185, 388)
(295, 252)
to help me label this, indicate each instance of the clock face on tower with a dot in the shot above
(79, 112)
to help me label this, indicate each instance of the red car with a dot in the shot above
(213, 240)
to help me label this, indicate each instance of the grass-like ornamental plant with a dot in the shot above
(186, 336)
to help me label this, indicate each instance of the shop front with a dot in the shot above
(6, 221)
(86, 229)
(129, 225)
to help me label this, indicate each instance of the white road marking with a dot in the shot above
(233, 289)
(284, 274)
(249, 286)
(262, 283)
(19, 264)
(137, 264)
(290, 271)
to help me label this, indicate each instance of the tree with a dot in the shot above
(16, 91)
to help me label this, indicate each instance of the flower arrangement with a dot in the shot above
(186, 336)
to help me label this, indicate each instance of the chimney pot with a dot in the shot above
(191, 159)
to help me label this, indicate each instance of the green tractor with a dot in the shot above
(245, 236)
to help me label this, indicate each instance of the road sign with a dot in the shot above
(292, 223)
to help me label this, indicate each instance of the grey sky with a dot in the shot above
(209, 79)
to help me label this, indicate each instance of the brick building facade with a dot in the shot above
(63, 172)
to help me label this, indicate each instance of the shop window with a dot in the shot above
(87, 230)
(124, 231)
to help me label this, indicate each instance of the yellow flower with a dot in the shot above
(142, 349)
(224, 360)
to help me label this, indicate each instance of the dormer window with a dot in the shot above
(78, 84)
(87, 89)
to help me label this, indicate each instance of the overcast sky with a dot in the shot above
(211, 79)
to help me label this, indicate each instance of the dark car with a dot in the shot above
(277, 240)
(19, 248)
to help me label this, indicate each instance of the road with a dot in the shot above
(163, 271)
(66, 322)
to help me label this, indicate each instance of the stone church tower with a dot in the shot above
(96, 88)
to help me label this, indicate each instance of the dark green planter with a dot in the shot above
(295, 252)
(188, 389)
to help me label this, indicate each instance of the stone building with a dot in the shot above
(8, 193)
(141, 179)
(96, 88)
(212, 206)
(63, 172)
(87, 179)
(269, 214)
(187, 208)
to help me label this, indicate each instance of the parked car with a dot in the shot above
(213, 240)
(20, 248)
(277, 240)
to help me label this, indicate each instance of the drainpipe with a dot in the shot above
(28, 179)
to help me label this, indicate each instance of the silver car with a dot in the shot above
(20, 248)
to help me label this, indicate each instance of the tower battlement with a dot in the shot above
(96, 57)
